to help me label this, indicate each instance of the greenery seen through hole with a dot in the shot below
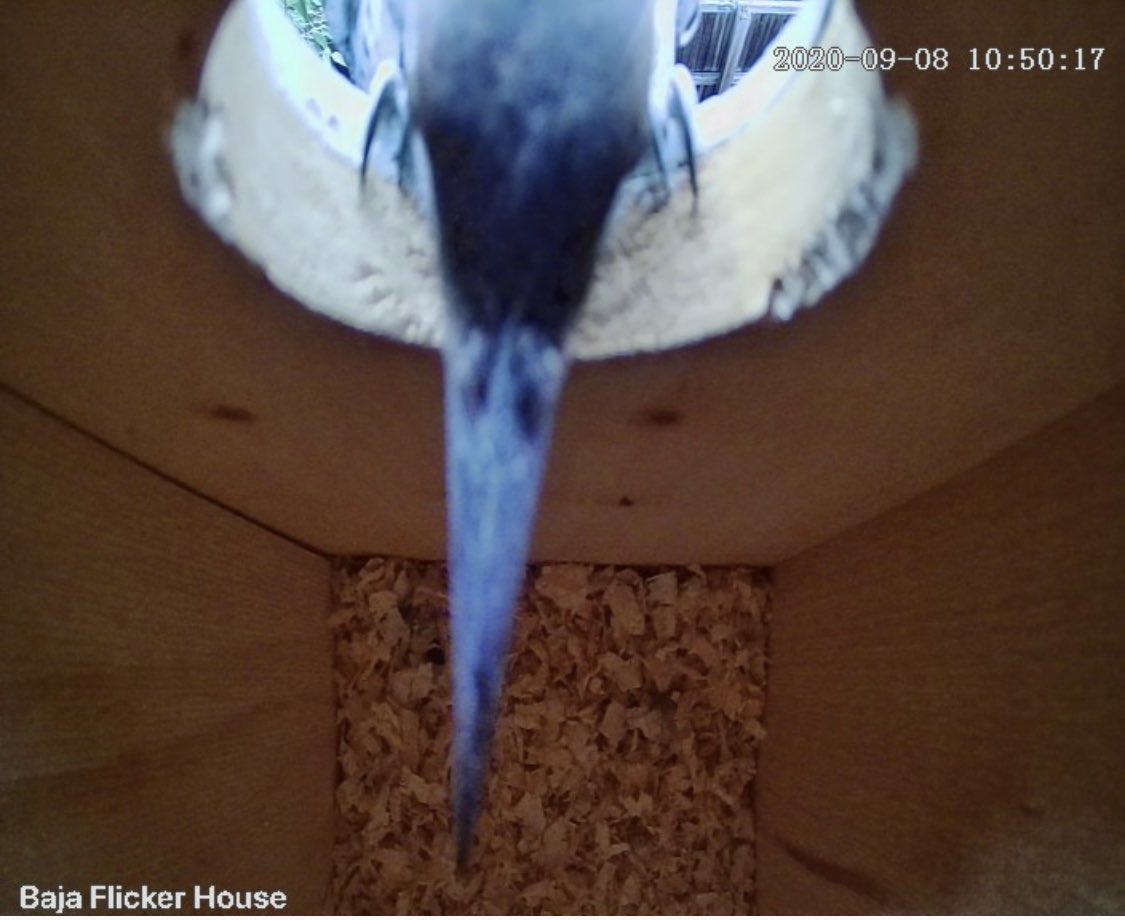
(308, 16)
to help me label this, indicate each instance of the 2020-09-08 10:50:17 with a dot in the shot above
(817, 58)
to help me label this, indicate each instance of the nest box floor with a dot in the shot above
(625, 755)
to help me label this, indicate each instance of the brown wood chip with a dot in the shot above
(623, 761)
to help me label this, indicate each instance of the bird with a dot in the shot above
(515, 123)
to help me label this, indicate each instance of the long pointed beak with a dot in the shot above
(501, 389)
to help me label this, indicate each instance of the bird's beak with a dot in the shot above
(501, 388)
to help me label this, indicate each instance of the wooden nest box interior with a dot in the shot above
(924, 474)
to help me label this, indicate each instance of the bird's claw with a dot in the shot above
(387, 141)
(673, 145)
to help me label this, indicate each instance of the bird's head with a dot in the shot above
(531, 113)
(527, 115)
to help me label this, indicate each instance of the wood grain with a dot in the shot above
(166, 705)
(946, 711)
(990, 307)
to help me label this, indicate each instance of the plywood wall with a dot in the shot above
(946, 713)
(989, 307)
(166, 701)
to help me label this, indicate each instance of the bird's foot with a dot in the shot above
(673, 144)
(387, 142)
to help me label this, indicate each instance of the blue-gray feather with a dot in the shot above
(530, 114)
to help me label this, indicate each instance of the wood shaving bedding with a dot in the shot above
(623, 762)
